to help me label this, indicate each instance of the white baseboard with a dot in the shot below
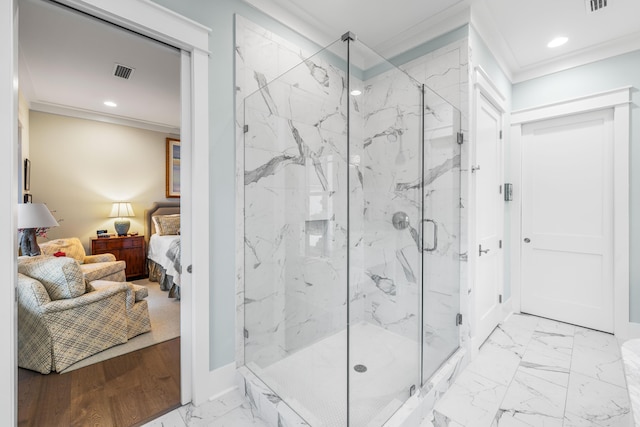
(221, 381)
(507, 309)
(505, 312)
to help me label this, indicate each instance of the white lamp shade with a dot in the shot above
(121, 210)
(35, 215)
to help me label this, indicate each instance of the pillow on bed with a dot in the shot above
(156, 223)
(167, 224)
(156, 226)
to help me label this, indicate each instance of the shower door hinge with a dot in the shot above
(500, 134)
(500, 244)
(460, 138)
(458, 319)
(245, 128)
(500, 299)
(246, 333)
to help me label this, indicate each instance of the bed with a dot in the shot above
(162, 231)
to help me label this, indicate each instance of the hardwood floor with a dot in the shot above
(128, 390)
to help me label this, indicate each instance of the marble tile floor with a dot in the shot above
(533, 371)
(230, 410)
(530, 372)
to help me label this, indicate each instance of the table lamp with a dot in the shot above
(33, 217)
(121, 210)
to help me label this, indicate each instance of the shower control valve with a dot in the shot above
(400, 220)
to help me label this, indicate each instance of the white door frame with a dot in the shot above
(619, 100)
(8, 217)
(167, 26)
(483, 86)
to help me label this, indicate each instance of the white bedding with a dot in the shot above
(158, 247)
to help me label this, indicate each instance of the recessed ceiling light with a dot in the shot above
(356, 92)
(110, 104)
(558, 41)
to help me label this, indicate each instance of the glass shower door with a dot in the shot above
(441, 232)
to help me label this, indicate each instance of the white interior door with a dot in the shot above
(567, 199)
(487, 173)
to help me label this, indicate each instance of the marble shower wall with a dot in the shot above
(391, 168)
(295, 193)
(390, 286)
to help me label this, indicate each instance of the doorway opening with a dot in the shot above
(180, 63)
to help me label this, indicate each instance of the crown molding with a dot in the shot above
(485, 26)
(595, 53)
(432, 27)
(78, 113)
(296, 19)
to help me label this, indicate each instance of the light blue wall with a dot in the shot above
(219, 16)
(482, 57)
(612, 73)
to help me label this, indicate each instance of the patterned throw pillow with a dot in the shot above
(61, 277)
(168, 224)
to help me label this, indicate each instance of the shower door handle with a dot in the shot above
(435, 235)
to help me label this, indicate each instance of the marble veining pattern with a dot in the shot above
(537, 372)
(476, 397)
(631, 357)
(230, 410)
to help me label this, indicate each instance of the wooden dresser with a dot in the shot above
(131, 249)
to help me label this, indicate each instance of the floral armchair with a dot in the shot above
(62, 319)
(94, 267)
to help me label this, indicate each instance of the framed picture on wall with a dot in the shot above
(173, 168)
(27, 174)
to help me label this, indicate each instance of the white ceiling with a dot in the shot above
(67, 59)
(67, 62)
(517, 30)
(521, 30)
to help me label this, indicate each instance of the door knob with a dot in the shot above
(482, 251)
(527, 240)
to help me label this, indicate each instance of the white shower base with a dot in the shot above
(313, 381)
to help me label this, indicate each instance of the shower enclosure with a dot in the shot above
(352, 219)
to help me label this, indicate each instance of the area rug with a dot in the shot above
(164, 313)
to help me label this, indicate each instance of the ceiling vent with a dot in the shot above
(595, 5)
(123, 71)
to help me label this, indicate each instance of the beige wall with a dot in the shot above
(79, 167)
(23, 121)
